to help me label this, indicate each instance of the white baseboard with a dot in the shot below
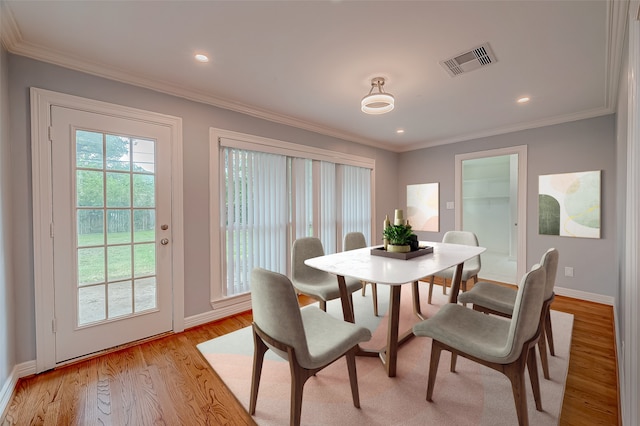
(217, 314)
(21, 370)
(583, 295)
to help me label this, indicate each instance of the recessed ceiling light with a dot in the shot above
(201, 58)
(523, 100)
(400, 131)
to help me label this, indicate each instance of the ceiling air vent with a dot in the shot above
(477, 57)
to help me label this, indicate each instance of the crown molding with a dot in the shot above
(12, 39)
(9, 32)
(510, 129)
(617, 16)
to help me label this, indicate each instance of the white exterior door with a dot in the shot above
(111, 229)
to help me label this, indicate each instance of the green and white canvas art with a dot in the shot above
(569, 204)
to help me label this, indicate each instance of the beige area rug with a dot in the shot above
(474, 395)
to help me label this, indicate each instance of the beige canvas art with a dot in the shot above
(423, 206)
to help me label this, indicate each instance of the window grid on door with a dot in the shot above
(115, 226)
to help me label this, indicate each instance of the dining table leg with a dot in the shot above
(455, 283)
(391, 358)
(347, 307)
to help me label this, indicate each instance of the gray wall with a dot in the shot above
(7, 323)
(197, 118)
(571, 147)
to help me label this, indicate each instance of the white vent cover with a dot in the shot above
(475, 58)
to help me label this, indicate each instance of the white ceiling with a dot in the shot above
(309, 63)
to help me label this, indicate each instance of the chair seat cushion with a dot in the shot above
(471, 332)
(327, 337)
(492, 296)
(325, 286)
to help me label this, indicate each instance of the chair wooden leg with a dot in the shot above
(323, 305)
(353, 377)
(436, 349)
(532, 366)
(258, 357)
(444, 286)
(374, 294)
(431, 278)
(299, 377)
(548, 331)
(544, 360)
(515, 373)
(364, 288)
(454, 361)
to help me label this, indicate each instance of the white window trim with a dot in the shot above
(225, 306)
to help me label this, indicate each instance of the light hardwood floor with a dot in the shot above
(166, 381)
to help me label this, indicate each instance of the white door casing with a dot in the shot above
(521, 152)
(59, 337)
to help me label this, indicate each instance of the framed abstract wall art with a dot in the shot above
(569, 204)
(423, 206)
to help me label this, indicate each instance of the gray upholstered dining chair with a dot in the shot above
(356, 240)
(312, 282)
(470, 268)
(499, 300)
(503, 345)
(309, 339)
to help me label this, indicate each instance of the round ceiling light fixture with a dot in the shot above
(377, 102)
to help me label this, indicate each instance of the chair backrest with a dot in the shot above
(467, 238)
(303, 249)
(550, 262)
(276, 311)
(526, 311)
(354, 240)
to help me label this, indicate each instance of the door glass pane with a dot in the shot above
(120, 300)
(89, 192)
(145, 259)
(89, 149)
(90, 227)
(118, 262)
(112, 173)
(143, 190)
(144, 225)
(90, 265)
(118, 192)
(117, 148)
(118, 226)
(145, 294)
(92, 304)
(144, 154)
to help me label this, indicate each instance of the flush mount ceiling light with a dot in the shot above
(377, 102)
(201, 58)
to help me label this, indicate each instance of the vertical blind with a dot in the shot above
(256, 215)
(272, 199)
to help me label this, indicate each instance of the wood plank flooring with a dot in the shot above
(167, 382)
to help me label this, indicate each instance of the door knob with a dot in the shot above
(164, 241)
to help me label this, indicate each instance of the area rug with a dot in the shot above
(473, 395)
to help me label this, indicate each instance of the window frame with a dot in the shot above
(220, 137)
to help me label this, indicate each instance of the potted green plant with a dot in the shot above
(398, 238)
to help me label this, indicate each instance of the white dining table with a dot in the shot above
(363, 265)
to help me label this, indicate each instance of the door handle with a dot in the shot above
(164, 241)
